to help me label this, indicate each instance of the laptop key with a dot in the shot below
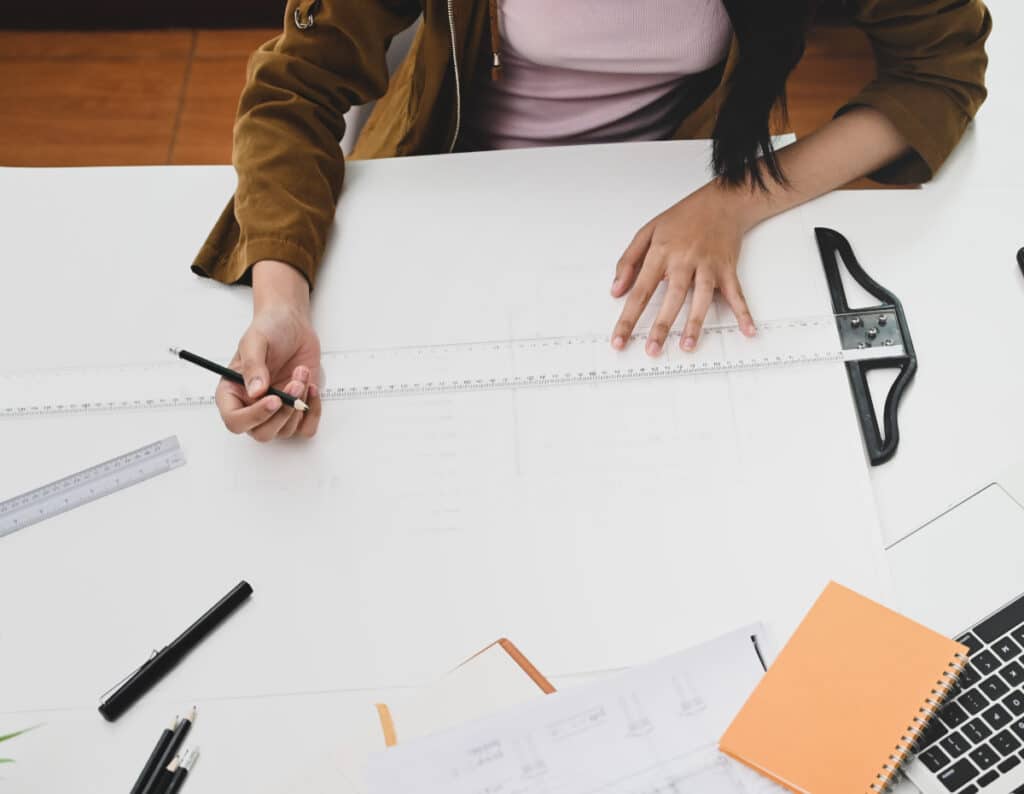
(1017, 634)
(988, 777)
(973, 643)
(971, 789)
(977, 731)
(985, 662)
(1003, 621)
(994, 686)
(973, 701)
(969, 677)
(953, 715)
(1005, 742)
(984, 756)
(997, 717)
(934, 759)
(1006, 648)
(955, 744)
(958, 775)
(1013, 673)
(1007, 764)
(1015, 702)
(1018, 728)
(935, 731)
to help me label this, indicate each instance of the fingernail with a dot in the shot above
(255, 385)
(618, 343)
(273, 404)
(653, 348)
(295, 388)
(302, 374)
(751, 329)
(689, 343)
(313, 391)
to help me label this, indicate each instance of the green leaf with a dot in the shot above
(16, 733)
(6, 760)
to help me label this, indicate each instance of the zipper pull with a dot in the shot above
(310, 20)
(496, 66)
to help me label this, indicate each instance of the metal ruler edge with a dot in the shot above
(102, 479)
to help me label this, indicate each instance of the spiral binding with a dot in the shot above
(907, 745)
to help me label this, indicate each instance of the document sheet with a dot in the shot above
(598, 525)
(652, 730)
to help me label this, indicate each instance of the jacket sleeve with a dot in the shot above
(286, 139)
(931, 62)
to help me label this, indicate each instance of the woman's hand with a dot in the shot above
(693, 245)
(281, 349)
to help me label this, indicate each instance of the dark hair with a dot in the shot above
(770, 36)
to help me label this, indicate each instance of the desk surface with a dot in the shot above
(947, 251)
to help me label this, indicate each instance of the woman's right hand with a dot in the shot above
(280, 349)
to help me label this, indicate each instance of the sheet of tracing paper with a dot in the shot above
(598, 525)
(650, 730)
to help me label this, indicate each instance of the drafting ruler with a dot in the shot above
(862, 338)
(90, 484)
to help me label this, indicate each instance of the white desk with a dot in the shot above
(965, 331)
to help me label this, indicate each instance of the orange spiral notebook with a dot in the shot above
(843, 704)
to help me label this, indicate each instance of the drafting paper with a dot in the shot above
(653, 729)
(599, 526)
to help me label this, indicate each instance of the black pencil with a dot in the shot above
(236, 377)
(154, 758)
(178, 778)
(160, 777)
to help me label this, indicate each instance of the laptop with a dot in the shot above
(976, 549)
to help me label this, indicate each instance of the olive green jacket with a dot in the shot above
(930, 82)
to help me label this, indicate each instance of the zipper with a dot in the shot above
(309, 21)
(458, 81)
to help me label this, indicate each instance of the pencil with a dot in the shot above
(178, 779)
(160, 777)
(154, 757)
(236, 377)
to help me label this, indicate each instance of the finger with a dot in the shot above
(230, 398)
(241, 418)
(733, 294)
(639, 297)
(631, 260)
(300, 375)
(271, 427)
(252, 355)
(703, 293)
(311, 421)
(675, 296)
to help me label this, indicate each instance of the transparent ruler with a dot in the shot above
(464, 367)
(90, 484)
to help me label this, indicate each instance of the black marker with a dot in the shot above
(236, 377)
(143, 679)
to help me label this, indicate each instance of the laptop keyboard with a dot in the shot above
(979, 734)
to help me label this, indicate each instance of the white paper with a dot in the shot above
(598, 526)
(653, 729)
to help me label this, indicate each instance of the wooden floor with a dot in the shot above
(169, 97)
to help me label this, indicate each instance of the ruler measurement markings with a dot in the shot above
(455, 367)
(90, 484)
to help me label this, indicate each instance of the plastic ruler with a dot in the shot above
(462, 367)
(90, 484)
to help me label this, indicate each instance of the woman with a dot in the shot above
(503, 73)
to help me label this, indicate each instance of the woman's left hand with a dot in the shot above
(693, 245)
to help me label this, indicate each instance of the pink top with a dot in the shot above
(589, 71)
